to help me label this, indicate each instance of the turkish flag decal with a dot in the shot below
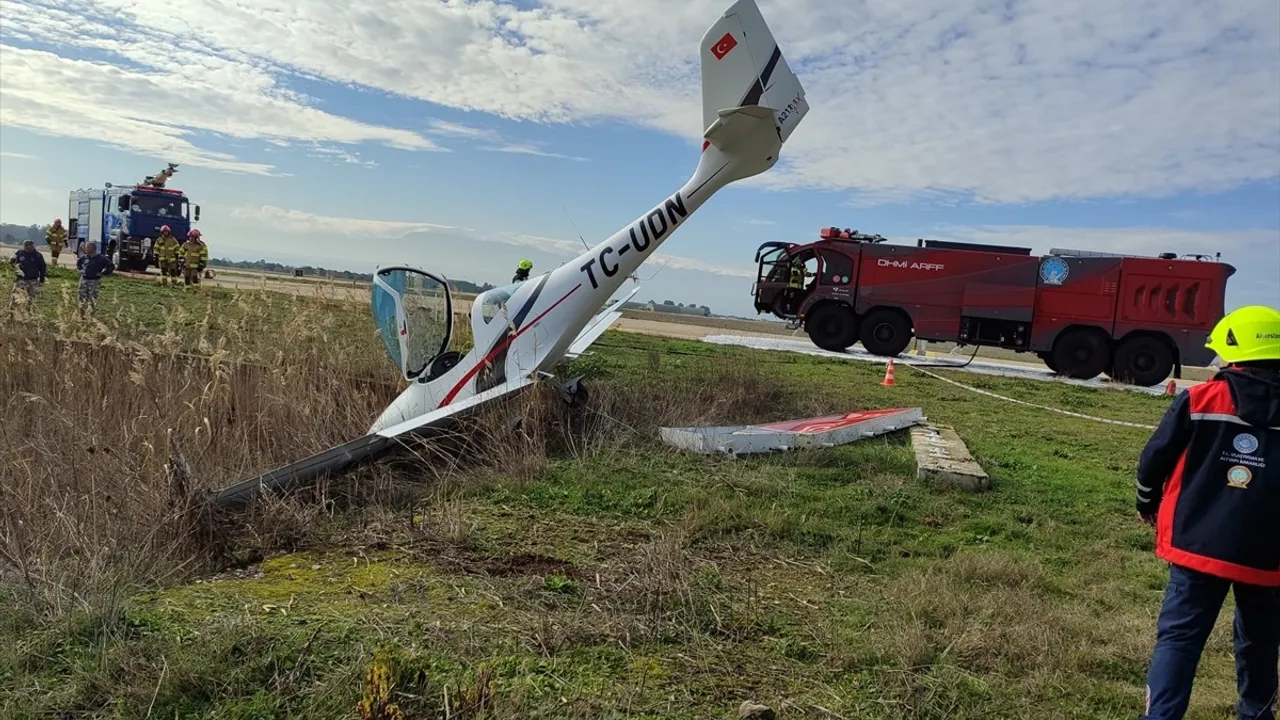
(723, 46)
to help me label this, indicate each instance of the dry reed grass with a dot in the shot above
(106, 439)
(108, 443)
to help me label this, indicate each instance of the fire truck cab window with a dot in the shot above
(837, 268)
(158, 206)
(807, 259)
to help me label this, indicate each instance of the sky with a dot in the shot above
(464, 135)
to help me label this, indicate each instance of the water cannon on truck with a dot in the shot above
(1134, 318)
(126, 220)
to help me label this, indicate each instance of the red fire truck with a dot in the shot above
(1083, 313)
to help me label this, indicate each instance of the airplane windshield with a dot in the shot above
(413, 313)
(493, 301)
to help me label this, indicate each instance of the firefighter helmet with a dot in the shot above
(164, 228)
(1248, 334)
(526, 264)
(195, 233)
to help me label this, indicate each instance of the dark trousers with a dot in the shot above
(1192, 601)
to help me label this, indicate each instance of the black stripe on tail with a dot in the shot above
(757, 91)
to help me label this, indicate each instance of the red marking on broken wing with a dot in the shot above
(724, 45)
(830, 422)
(499, 348)
(705, 144)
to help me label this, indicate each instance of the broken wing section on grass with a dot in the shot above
(350, 455)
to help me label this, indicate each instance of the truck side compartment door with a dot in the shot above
(1181, 299)
(1166, 299)
(95, 221)
(1074, 291)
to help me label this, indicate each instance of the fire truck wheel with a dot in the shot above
(832, 327)
(1081, 354)
(1143, 360)
(886, 332)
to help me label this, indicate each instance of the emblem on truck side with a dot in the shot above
(1054, 270)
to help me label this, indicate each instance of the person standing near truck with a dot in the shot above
(31, 273)
(1209, 483)
(195, 255)
(166, 250)
(56, 237)
(92, 266)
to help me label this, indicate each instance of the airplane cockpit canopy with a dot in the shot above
(493, 301)
(413, 311)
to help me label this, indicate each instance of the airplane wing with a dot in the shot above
(349, 455)
(597, 326)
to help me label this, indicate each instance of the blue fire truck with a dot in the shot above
(125, 221)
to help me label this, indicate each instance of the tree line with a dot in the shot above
(314, 271)
(18, 234)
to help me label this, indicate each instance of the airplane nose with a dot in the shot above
(410, 404)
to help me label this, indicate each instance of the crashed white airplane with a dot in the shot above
(751, 103)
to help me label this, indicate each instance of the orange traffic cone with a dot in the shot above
(888, 375)
(1171, 389)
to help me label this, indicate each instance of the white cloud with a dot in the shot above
(528, 148)
(658, 261)
(498, 143)
(452, 129)
(683, 263)
(555, 246)
(1006, 101)
(158, 102)
(18, 155)
(338, 154)
(298, 222)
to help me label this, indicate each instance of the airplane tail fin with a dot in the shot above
(751, 100)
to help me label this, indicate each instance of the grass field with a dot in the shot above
(574, 568)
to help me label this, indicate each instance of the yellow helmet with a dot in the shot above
(526, 265)
(1248, 334)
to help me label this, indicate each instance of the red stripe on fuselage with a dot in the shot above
(499, 348)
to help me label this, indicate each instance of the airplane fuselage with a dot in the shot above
(532, 331)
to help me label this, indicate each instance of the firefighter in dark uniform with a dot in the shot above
(1209, 482)
(796, 282)
(795, 287)
(522, 271)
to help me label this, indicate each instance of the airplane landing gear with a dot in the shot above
(573, 393)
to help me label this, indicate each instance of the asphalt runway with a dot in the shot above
(981, 366)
